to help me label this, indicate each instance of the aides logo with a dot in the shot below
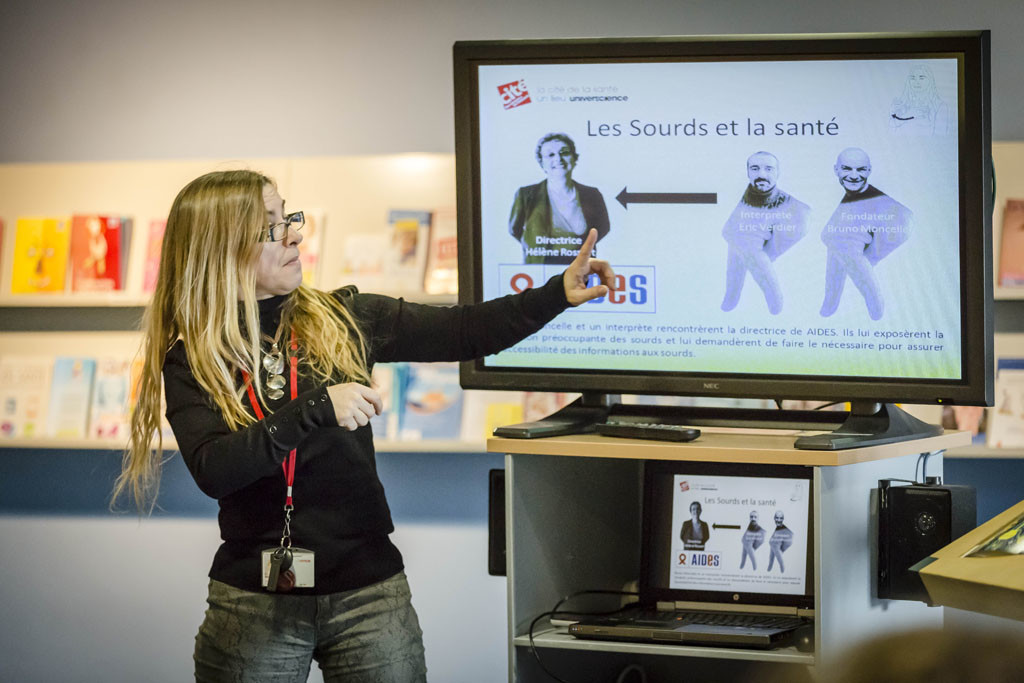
(514, 94)
(700, 560)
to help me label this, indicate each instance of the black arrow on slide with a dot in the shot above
(626, 197)
(725, 526)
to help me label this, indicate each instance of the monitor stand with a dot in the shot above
(579, 417)
(870, 424)
(866, 424)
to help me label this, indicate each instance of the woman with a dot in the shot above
(694, 533)
(267, 392)
(919, 109)
(551, 218)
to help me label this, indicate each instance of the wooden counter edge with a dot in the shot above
(718, 447)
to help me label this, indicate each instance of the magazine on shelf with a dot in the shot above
(154, 244)
(311, 246)
(97, 253)
(1011, 247)
(108, 416)
(484, 411)
(364, 259)
(407, 253)
(40, 254)
(127, 227)
(442, 269)
(24, 392)
(385, 378)
(432, 402)
(1006, 419)
(70, 397)
(973, 419)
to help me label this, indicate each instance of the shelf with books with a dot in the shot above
(1008, 293)
(130, 300)
(986, 452)
(77, 299)
(382, 446)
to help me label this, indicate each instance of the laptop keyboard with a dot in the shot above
(719, 619)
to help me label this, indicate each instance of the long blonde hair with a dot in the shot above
(205, 296)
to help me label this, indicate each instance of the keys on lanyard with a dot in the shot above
(278, 572)
(281, 577)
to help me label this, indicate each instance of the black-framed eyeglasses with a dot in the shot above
(278, 231)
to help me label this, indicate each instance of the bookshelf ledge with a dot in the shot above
(83, 299)
(423, 446)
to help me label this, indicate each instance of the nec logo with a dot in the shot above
(514, 94)
(711, 385)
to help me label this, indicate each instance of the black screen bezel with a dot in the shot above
(971, 48)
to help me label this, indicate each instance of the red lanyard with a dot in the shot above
(288, 467)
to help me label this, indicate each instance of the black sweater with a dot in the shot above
(340, 510)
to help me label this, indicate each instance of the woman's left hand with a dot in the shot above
(575, 276)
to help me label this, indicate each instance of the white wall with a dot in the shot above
(131, 79)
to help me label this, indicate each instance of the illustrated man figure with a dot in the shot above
(780, 541)
(752, 539)
(695, 532)
(765, 223)
(865, 228)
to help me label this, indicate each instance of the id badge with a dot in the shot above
(301, 569)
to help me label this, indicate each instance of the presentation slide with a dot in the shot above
(775, 217)
(743, 534)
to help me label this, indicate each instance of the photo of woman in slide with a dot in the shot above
(551, 218)
(695, 532)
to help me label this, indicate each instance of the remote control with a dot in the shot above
(648, 430)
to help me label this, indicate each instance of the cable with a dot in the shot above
(631, 669)
(922, 462)
(924, 466)
(555, 613)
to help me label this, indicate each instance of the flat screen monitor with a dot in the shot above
(788, 216)
(727, 533)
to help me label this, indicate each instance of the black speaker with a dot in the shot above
(913, 522)
(496, 523)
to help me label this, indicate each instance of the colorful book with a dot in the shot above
(311, 246)
(442, 269)
(385, 379)
(127, 225)
(410, 231)
(24, 391)
(1006, 419)
(154, 244)
(484, 411)
(365, 255)
(1011, 248)
(96, 250)
(70, 397)
(972, 419)
(540, 404)
(40, 255)
(109, 413)
(432, 405)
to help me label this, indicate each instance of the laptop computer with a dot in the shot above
(726, 557)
